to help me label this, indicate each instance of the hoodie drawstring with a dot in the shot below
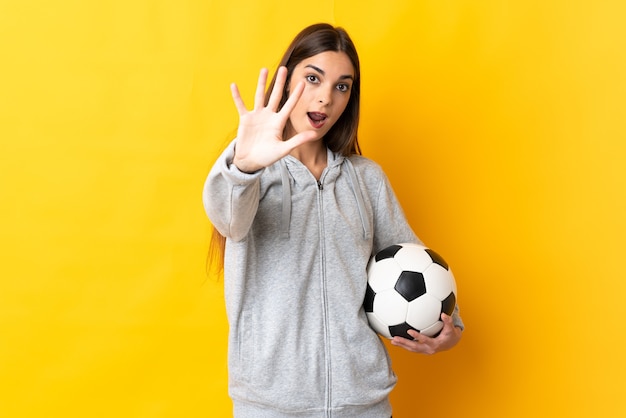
(286, 212)
(359, 198)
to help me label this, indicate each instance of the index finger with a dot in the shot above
(293, 99)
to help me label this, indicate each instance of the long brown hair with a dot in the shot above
(342, 137)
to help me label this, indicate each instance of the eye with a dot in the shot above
(311, 78)
(344, 88)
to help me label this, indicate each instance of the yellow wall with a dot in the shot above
(501, 124)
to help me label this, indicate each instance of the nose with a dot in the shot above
(325, 94)
(324, 97)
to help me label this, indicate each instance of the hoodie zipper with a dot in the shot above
(320, 187)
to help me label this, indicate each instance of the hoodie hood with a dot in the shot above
(334, 161)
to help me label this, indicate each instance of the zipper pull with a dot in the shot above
(320, 185)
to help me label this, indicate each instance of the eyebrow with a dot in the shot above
(322, 72)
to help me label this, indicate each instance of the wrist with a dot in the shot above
(241, 166)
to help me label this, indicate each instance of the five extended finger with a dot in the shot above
(292, 100)
(277, 90)
(299, 139)
(259, 96)
(239, 104)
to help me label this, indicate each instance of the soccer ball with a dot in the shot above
(408, 287)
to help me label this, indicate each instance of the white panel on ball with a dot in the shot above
(394, 307)
(379, 326)
(383, 274)
(423, 312)
(433, 330)
(412, 257)
(439, 281)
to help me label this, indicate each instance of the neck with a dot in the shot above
(313, 155)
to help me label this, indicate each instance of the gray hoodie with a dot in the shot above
(296, 255)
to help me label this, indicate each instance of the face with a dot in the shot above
(328, 78)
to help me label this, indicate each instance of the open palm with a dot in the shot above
(260, 141)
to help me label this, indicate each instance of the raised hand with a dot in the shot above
(260, 141)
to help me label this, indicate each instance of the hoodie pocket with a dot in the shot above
(245, 348)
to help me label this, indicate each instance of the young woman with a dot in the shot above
(302, 213)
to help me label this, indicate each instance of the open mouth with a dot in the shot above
(317, 119)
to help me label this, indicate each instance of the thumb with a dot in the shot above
(299, 139)
(447, 319)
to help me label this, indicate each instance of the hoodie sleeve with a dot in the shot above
(230, 196)
(391, 227)
(390, 224)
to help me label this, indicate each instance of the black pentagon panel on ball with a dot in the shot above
(388, 252)
(368, 303)
(448, 304)
(401, 330)
(437, 258)
(410, 285)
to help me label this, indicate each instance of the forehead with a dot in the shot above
(332, 63)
